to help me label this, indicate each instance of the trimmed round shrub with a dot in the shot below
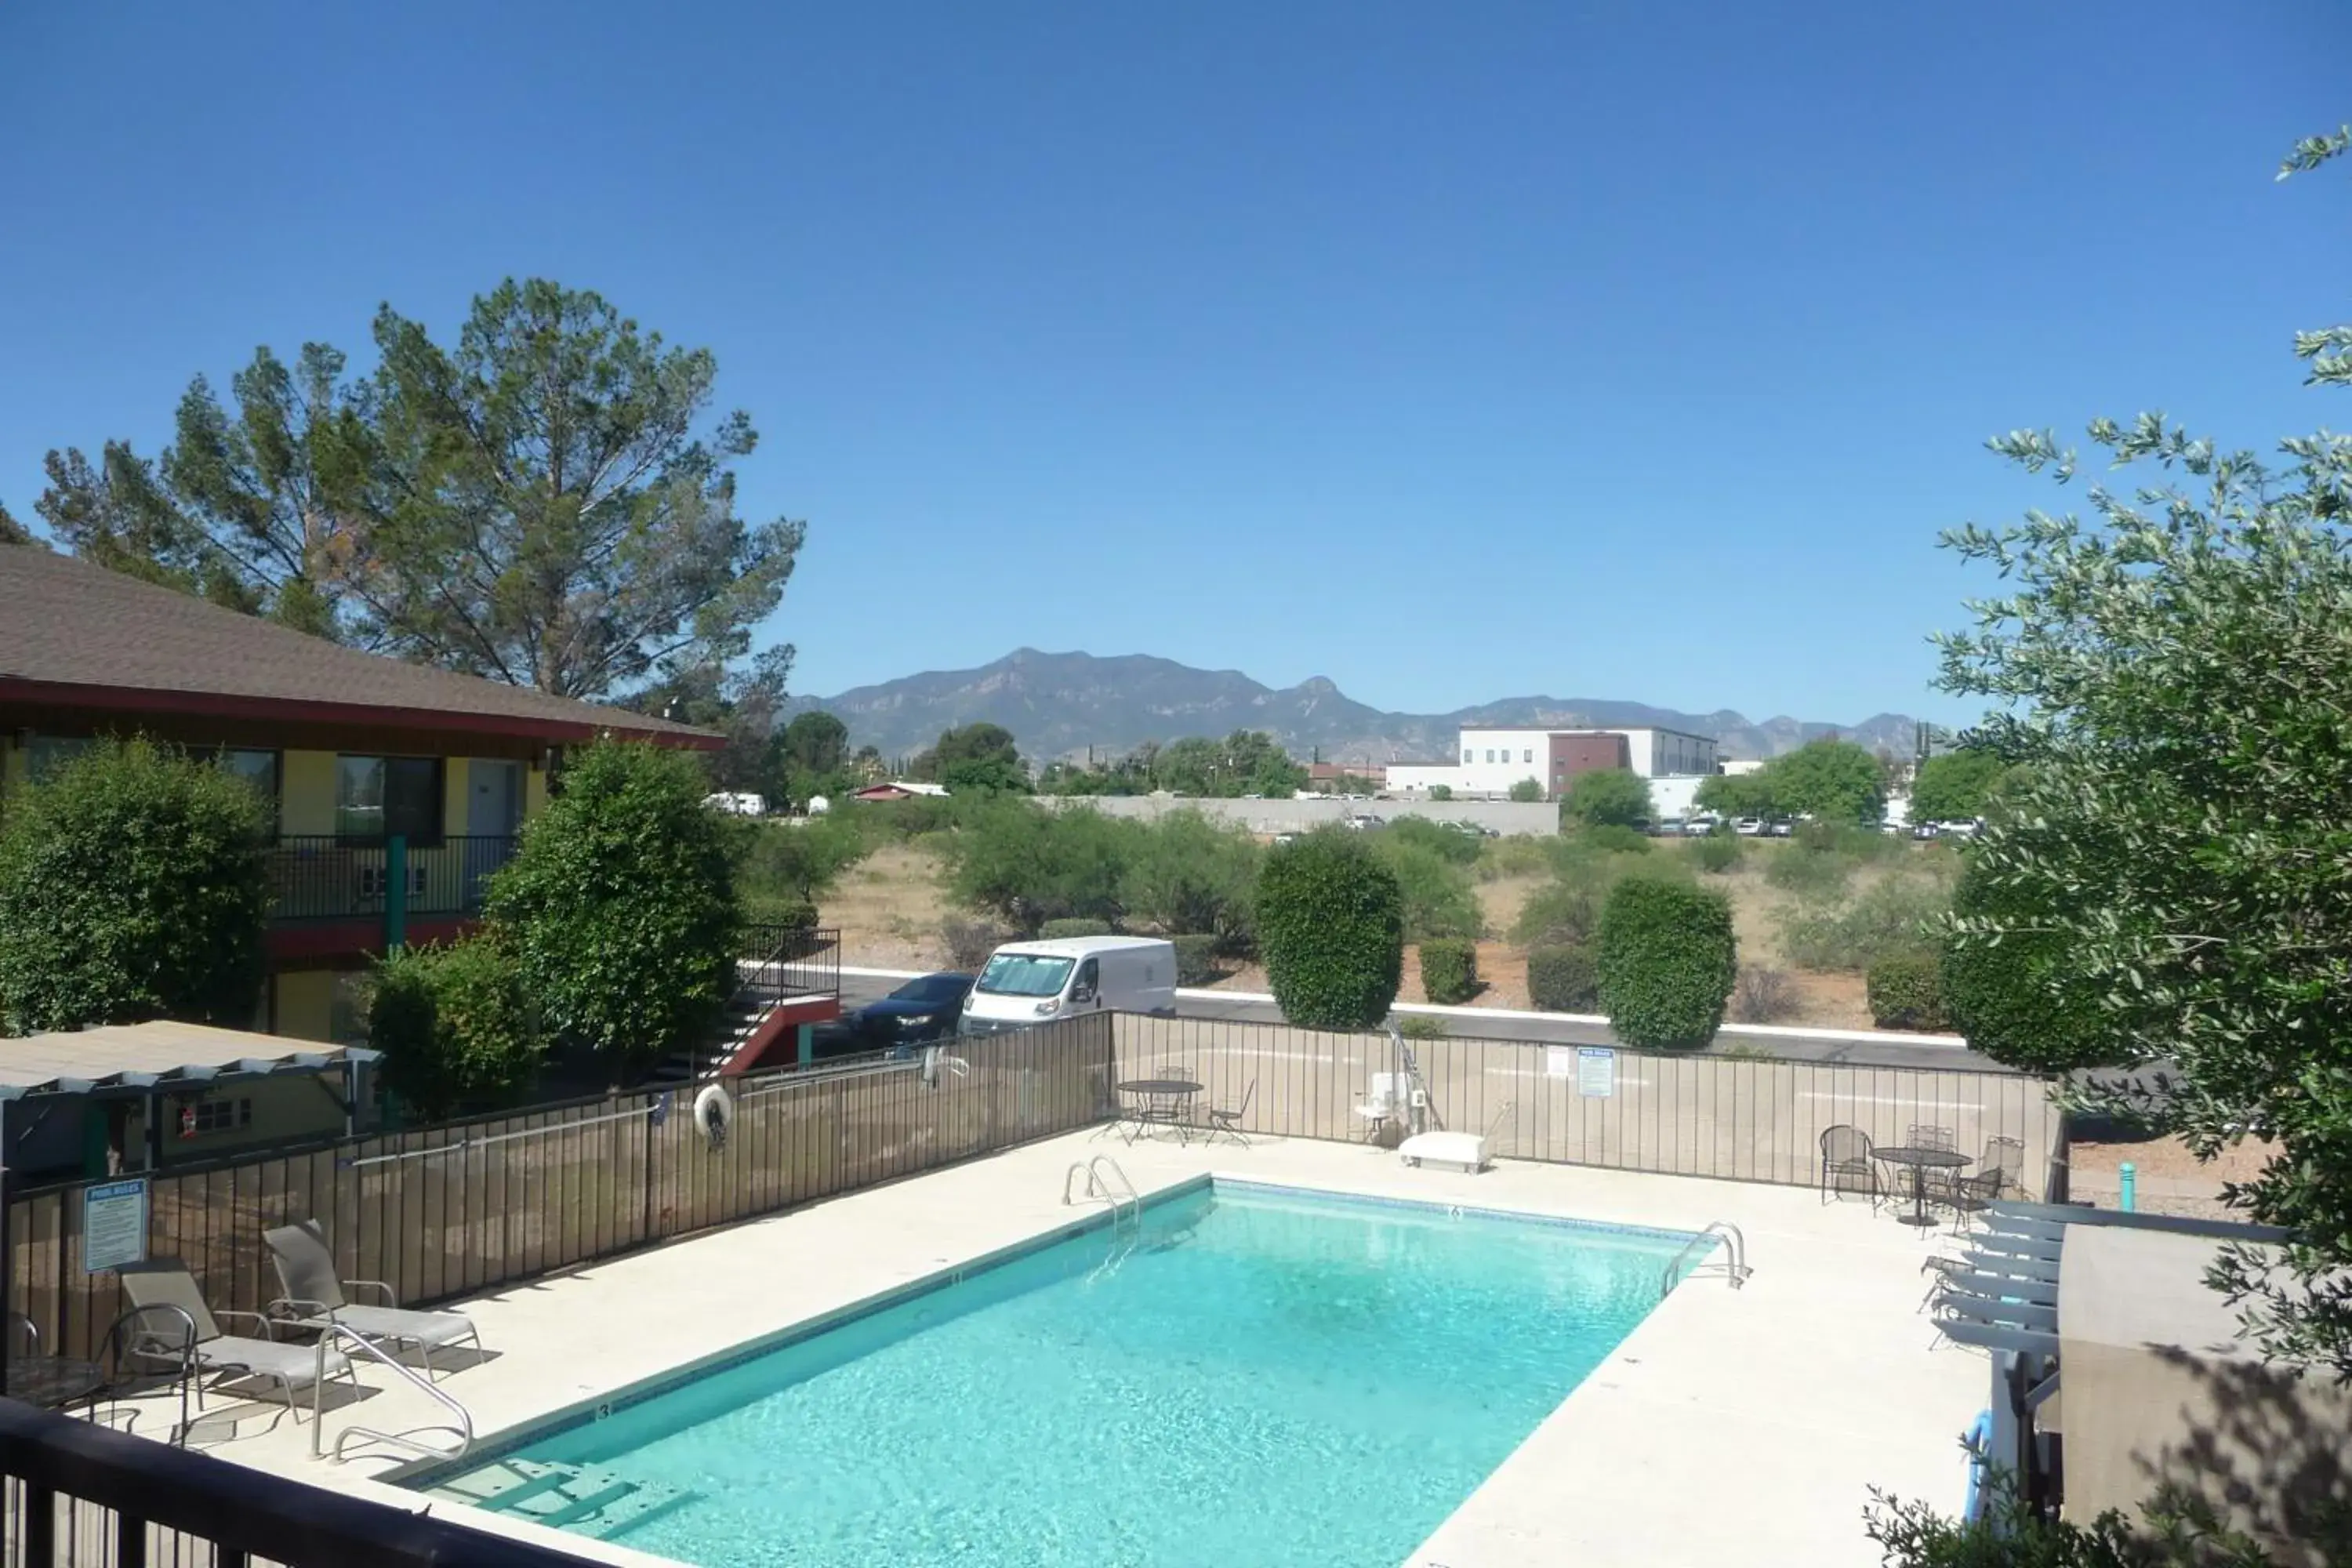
(1055, 929)
(620, 905)
(1330, 925)
(1907, 992)
(1668, 961)
(1449, 971)
(1196, 958)
(1718, 853)
(1564, 978)
(454, 1027)
(2016, 1000)
(132, 886)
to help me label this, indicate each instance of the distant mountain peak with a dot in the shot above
(1062, 704)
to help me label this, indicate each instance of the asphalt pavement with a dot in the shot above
(1842, 1047)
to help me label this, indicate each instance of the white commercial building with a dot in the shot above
(1491, 761)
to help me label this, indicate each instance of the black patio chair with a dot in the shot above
(1845, 1157)
(1926, 1137)
(1229, 1122)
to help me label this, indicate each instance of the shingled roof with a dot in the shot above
(77, 634)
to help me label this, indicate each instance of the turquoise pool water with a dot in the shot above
(1249, 1377)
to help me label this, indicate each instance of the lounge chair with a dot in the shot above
(315, 1297)
(169, 1324)
(1229, 1122)
(1845, 1157)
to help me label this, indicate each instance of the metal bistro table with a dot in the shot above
(1921, 1161)
(1158, 1100)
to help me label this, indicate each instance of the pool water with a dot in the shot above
(1245, 1377)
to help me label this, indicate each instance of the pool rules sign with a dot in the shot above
(113, 1225)
(1594, 1067)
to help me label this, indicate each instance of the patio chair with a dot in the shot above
(1974, 1193)
(315, 1297)
(1229, 1122)
(2006, 1155)
(169, 1324)
(1944, 1270)
(1923, 1137)
(1845, 1157)
(1381, 1102)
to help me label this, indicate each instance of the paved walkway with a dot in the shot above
(1731, 1426)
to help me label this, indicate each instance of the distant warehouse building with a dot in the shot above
(1493, 761)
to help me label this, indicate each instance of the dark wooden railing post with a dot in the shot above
(395, 892)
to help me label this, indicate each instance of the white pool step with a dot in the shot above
(578, 1498)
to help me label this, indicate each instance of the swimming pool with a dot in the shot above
(1246, 1376)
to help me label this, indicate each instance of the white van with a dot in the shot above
(1027, 983)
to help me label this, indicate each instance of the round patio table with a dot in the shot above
(1921, 1161)
(1164, 1100)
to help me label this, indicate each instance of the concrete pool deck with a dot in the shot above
(1740, 1425)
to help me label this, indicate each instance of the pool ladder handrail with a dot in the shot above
(355, 1340)
(1098, 1187)
(1735, 1267)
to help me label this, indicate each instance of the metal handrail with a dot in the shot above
(1098, 1187)
(335, 1331)
(1735, 1268)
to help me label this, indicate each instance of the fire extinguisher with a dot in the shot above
(187, 1121)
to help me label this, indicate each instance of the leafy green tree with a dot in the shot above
(1607, 798)
(1190, 876)
(1440, 791)
(1439, 900)
(1331, 924)
(456, 1026)
(11, 531)
(976, 759)
(620, 904)
(1667, 960)
(1836, 781)
(1027, 865)
(1526, 790)
(2172, 674)
(801, 861)
(132, 886)
(116, 513)
(741, 704)
(1739, 795)
(1956, 785)
(813, 745)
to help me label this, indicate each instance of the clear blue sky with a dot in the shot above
(1453, 351)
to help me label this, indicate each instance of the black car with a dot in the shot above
(922, 1010)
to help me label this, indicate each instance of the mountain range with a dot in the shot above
(1062, 704)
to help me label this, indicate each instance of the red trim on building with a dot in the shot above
(316, 946)
(782, 1024)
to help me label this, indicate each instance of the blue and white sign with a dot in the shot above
(113, 1225)
(1596, 1071)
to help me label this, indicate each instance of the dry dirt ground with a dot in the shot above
(2170, 1179)
(890, 907)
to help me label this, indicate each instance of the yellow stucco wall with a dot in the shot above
(306, 1004)
(453, 794)
(534, 791)
(306, 792)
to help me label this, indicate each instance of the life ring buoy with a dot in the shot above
(713, 1114)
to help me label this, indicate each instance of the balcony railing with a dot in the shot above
(321, 877)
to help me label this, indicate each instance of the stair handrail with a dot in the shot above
(335, 1333)
(1735, 1268)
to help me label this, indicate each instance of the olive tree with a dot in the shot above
(2172, 673)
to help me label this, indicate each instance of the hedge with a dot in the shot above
(1449, 970)
(1057, 929)
(1564, 979)
(455, 1026)
(1196, 958)
(1667, 960)
(1907, 992)
(1330, 925)
(2016, 1000)
(132, 886)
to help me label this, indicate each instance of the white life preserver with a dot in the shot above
(713, 1114)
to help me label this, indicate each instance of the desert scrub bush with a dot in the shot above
(1449, 971)
(1330, 926)
(1519, 855)
(1612, 838)
(1718, 853)
(1196, 958)
(1421, 1027)
(1055, 929)
(1438, 900)
(970, 941)
(1807, 872)
(1668, 962)
(1762, 995)
(1892, 916)
(1907, 992)
(1563, 979)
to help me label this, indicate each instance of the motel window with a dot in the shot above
(49, 752)
(258, 769)
(221, 1116)
(376, 797)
